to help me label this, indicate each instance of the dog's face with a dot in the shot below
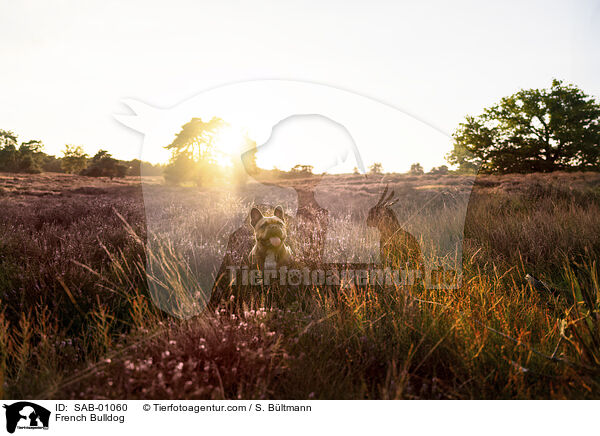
(269, 231)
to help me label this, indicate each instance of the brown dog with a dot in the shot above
(270, 250)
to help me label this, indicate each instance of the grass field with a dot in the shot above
(77, 321)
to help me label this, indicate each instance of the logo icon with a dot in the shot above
(26, 415)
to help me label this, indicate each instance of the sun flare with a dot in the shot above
(228, 142)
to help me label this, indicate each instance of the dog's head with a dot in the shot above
(269, 231)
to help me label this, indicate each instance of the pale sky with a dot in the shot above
(68, 64)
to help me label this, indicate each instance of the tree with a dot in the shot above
(139, 168)
(416, 169)
(104, 165)
(31, 147)
(532, 130)
(8, 139)
(182, 168)
(441, 170)
(376, 168)
(52, 164)
(194, 142)
(28, 158)
(74, 159)
(196, 138)
(302, 170)
(8, 150)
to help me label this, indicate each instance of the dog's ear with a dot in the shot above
(279, 213)
(255, 216)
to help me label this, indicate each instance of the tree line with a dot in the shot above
(29, 157)
(533, 130)
(416, 169)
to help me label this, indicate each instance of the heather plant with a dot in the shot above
(78, 319)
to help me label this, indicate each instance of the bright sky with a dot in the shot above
(68, 64)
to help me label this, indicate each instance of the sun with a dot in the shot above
(229, 140)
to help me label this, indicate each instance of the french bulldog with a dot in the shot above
(270, 250)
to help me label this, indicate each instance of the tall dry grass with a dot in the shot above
(77, 319)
